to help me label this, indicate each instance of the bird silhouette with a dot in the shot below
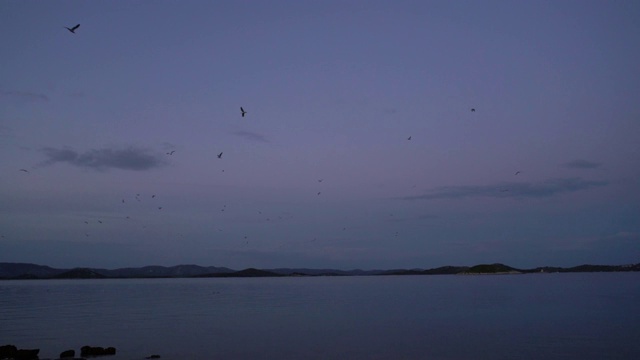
(409, 138)
(320, 180)
(220, 156)
(171, 152)
(319, 192)
(24, 170)
(242, 110)
(473, 110)
(517, 172)
(73, 29)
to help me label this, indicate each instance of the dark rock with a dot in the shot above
(26, 354)
(96, 351)
(8, 351)
(153, 357)
(68, 354)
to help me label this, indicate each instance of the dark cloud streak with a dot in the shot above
(24, 95)
(582, 164)
(530, 190)
(130, 158)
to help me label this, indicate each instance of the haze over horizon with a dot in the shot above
(358, 148)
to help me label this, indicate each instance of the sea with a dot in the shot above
(532, 316)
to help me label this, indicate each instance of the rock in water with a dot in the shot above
(68, 354)
(26, 354)
(8, 351)
(96, 351)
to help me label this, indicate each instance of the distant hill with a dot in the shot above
(251, 272)
(491, 269)
(17, 270)
(26, 271)
(443, 270)
(80, 273)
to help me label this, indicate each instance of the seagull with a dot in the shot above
(473, 110)
(171, 152)
(123, 201)
(517, 172)
(320, 180)
(24, 170)
(319, 193)
(152, 196)
(220, 156)
(159, 207)
(409, 138)
(73, 29)
(100, 221)
(242, 110)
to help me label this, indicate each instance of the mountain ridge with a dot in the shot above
(25, 271)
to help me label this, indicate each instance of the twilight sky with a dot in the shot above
(321, 171)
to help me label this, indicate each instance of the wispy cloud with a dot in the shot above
(130, 158)
(251, 136)
(23, 95)
(532, 190)
(581, 164)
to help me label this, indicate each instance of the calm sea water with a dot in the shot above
(542, 316)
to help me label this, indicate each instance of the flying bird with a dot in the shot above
(517, 172)
(409, 138)
(171, 152)
(220, 156)
(319, 192)
(320, 180)
(242, 110)
(473, 110)
(24, 170)
(73, 29)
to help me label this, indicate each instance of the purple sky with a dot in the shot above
(333, 90)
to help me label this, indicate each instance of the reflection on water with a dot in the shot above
(551, 316)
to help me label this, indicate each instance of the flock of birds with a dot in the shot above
(243, 114)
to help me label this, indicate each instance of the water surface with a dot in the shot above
(536, 316)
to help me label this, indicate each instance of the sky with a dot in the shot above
(377, 134)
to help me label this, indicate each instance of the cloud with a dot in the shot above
(130, 158)
(251, 136)
(532, 190)
(23, 95)
(581, 164)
